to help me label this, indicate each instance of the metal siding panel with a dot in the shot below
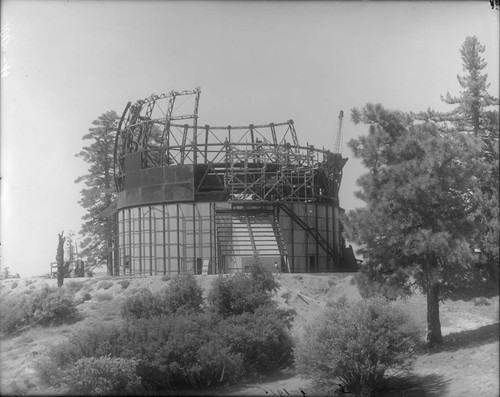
(132, 180)
(152, 176)
(132, 197)
(133, 162)
(152, 194)
(178, 192)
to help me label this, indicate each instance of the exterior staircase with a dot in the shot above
(244, 235)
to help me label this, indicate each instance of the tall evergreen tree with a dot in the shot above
(99, 193)
(477, 113)
(471, 113)
(418, 189)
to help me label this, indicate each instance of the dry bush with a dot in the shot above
(178, 343)
(102, 376)
(124, 283)
(103, 296)
(104, 284)
(183, 293)
(45, 305)
(354, 344)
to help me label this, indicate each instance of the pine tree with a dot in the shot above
(99, 193)
(477, 113)
(418, 190)
(471, 114)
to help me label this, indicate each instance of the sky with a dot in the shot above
(64, 63)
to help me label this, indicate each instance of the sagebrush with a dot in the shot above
(102, 376)
(354, 344)
(181, 343)
(242, 292)
(42, 306)
(181, 294)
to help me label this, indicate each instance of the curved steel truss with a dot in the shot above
(254, 162)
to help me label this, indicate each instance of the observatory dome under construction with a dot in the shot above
(208, 199)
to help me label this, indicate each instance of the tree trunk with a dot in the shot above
(434, 336)
(60, 260)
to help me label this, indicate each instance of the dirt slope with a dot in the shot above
(467, 366)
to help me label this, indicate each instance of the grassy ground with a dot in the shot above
(467, 364)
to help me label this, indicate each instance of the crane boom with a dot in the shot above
(338, 140)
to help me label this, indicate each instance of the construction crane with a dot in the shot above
(338, 140)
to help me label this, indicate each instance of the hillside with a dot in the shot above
(467, 365)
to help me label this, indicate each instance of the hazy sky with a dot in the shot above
(64, 63)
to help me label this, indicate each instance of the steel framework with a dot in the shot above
(258, 162)
(241, 165)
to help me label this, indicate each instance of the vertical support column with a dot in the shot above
(116, 245)
(307, 234)
(293, 241)
(131, 241)
(166, 145)
(151, 243)
(178, 242)
(336, 235)
(164, 240)
(195, 253)
(211, 234)
(124, 240)
(316, 226)
(139, 209)
(327, 223)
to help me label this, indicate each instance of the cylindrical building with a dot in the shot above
(213, 199)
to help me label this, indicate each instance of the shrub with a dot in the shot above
(355, 343)
(181, 351)
(179, 345)
(104, 284)
(45, 305)
(48, 305)
(262, 278)
(103, 296)
(182, 294)
(86, 297)
(143, 304)
(124, 283)
(11, 315)
(73, 286)
(237, 294)
(88, 342)
(262, 338)
(175, 351)
(102, 376)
